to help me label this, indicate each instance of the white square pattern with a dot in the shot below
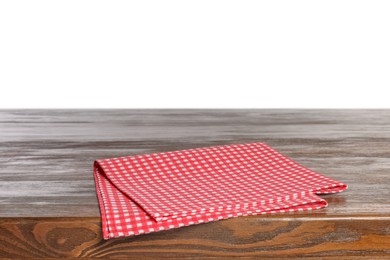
(153, 192)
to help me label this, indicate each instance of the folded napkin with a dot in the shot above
(152, 192)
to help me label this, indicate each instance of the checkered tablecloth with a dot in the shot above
(152, 192)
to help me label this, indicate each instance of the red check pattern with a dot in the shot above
(148, 193)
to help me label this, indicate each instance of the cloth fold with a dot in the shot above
(152, 192)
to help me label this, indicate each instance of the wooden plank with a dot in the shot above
(245, 237)
(46, 180)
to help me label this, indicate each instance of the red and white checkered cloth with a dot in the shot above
(148, 193)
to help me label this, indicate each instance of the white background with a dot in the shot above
(194, 54)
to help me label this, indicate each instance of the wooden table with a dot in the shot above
(48, 205)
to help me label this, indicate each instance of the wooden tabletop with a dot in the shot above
(48, 204)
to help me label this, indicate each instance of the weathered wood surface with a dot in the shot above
(48, 206)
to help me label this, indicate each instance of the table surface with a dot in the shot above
(47, 187)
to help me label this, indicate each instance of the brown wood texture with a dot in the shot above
(48, 206)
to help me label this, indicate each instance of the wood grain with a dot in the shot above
(48, 206)
(236, 237)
